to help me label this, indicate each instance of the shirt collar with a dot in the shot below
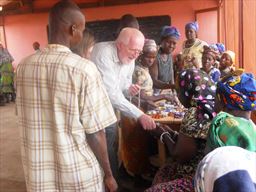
(57, 47)
(115, 55)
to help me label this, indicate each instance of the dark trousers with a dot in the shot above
(112, 145)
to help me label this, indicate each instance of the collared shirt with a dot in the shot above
(60, 99)
(117, 77)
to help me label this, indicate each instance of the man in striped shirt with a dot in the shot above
(63, 109)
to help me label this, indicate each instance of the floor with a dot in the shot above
(11, 171)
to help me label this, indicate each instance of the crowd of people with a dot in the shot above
(70, 97)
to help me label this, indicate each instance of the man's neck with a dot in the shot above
(60, 39)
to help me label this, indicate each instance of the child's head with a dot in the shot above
(227, 59)
(149, 53)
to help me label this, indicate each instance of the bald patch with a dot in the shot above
(129, 34)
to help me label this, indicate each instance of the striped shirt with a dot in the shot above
(60, 97)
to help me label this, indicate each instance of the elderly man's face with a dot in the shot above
(128, 53)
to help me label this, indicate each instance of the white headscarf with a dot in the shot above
(227, 169)
(149, 45)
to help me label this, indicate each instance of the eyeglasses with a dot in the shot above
(135, 51)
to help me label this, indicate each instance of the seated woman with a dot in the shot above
(162, 70)
(141, 75)
(208, 61)
(214, 175)
(196, 92)
(192, 48)
(227, 62)
(236, 97)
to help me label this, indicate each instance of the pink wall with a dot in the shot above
(208, 21)
(23, 30)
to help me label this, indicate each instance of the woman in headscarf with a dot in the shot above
(219, 48)
(227, 169)
(208, 61)
(236, 97)
(192, 48)
(6, 76)
(196, 92)
(162, 70)
(227, 62)
(141, 75)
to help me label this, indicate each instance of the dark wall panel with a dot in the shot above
(150, 27)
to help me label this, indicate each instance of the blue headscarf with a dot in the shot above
(221, 47)
(170, 31)
(192, 25)
(214, 47)
(238, 92)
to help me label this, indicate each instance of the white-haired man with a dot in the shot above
(115, 61)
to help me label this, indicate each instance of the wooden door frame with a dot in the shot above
(218, 16)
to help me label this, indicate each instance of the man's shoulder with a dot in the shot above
(63, 61)
(88, 67)
(107, 46)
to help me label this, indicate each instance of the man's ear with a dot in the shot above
(73, 29)
(119, 45)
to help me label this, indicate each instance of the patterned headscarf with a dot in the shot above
(211, 50)
(196, 87)
(192, 25)
(214, 47)
(228, 130)
(221, 47)
(170, 31)
(226, 169)
(149, 45)
(238, 92)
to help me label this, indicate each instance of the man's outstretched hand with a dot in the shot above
(147, 122)
(110, 184)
